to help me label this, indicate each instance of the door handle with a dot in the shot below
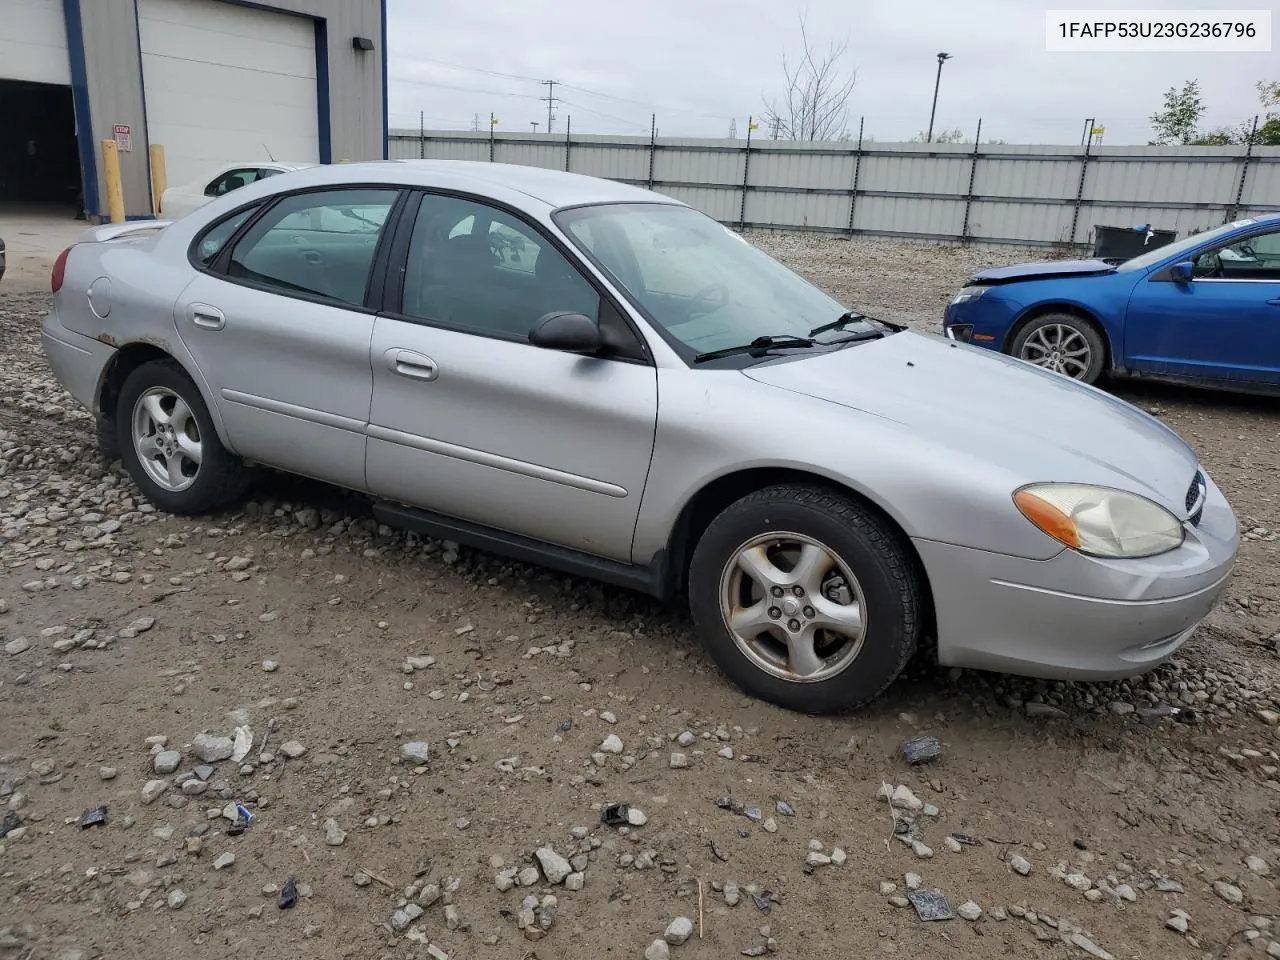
(407, 363)
(207, 317)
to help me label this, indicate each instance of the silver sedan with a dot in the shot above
(596, 378)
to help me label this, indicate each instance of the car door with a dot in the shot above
(278, 327)
(1223, 325)
(471, 421)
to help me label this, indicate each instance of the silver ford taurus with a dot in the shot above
(599, 379)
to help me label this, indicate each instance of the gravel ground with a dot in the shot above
(427, 737)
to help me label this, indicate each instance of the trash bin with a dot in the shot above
(1124, 243)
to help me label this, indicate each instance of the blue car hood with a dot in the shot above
(1043, 269)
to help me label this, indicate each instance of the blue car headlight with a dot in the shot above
(969, 294)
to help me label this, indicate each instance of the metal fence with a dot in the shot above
(990, 193)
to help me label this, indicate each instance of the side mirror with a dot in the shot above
(1182, 272)
(567, 331)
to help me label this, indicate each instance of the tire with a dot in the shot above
(107, 438)
(217, 480)
(1063, 343)
(880, 581)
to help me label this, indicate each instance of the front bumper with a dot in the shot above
(78, 362)
(984, 322)
(1074, 617)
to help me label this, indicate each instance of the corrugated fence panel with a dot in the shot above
(1024, 193)
(723, 205)
(998, 220)
(698, 166)
(812, 211)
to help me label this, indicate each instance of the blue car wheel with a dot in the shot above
(1063, 343)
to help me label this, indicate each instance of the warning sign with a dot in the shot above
(124, 137)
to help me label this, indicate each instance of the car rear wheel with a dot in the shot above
(805, 598)
(1062, 343)
(168, 443)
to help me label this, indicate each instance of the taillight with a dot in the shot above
(59, 270)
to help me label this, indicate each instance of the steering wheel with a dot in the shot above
(712, 297)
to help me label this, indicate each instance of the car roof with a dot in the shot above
(556, 188)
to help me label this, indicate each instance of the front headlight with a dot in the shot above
(968, 294)
(1099, 521)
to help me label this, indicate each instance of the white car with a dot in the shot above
(178, 201)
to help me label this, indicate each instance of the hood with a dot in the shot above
(1040, 426)
(1043, 269)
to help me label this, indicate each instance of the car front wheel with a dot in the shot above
(805, 598)
(168, 443)
(1062, 343)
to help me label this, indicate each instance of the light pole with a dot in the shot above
(942, 58)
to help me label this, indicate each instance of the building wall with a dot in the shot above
(106, 68)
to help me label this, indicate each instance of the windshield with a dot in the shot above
(1152, 257)
(703, 285)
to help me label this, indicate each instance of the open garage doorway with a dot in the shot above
(39, 159)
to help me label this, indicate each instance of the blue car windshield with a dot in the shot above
(1152, 257)
(706, 286)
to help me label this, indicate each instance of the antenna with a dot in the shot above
(269, 156)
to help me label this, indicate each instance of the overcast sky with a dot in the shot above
(701, 63)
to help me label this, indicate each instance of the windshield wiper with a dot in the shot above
(759, 345)
(847, 317)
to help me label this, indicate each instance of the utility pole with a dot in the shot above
(534, 124)
(475, 123)
(551, 100)
(733, 129)
(942, 58)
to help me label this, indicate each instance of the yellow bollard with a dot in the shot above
(111, 172)
(158, 180)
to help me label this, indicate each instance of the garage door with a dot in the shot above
(33, 42)
(226, 83)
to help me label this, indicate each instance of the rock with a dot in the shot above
(419, 663)
(152, 789)
(678, 931)
(611, 744)
(838, 857)
(1120, 708)
(166, 761)
(452, 918)
(270, 666)
(334, 835)
(1178, 922)
(658, 950)
(176, 899)
(1043, 710)
(527, 877)
(913, 881)
(1228, 892)
(401, 919)
(969, 911)
(106, 773)
(725, 752)
(921, 849)
(224, 860)
(575, 881)
(429, 895)
(636, 817)
(770, 825)
(212, 749)
(418, 750)
(1020, 864)
(1089, 947)
(15, 647)
(554, 866)
(292, 749)
(732, 895)
(904, 799)
(686, 739)
(608, 717)
(1126, 893)
(1257, 865)
(1077, 881)
(899, 902)
(679, 761)
(952, 844)
(815, 859)
(887, 888)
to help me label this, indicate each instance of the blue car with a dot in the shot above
(1202, 310)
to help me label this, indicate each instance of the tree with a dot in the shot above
(942, 136)
(1268, 132)
(1177, 122)
(815, 100)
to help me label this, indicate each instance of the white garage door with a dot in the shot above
(33, 41)
(226, 83)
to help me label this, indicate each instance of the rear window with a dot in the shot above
(216, 237)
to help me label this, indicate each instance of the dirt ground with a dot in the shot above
(337, 644)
